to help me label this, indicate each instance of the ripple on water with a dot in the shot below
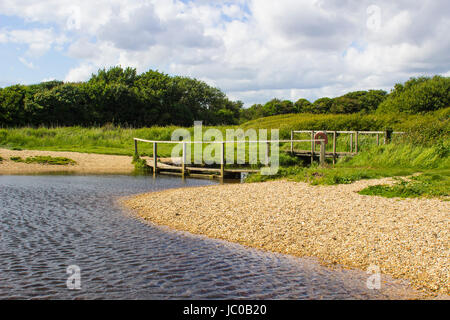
(50, 222)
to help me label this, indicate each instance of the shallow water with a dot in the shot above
(50, 222)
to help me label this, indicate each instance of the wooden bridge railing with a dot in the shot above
(322, 153)
(387, 135)
(222, 155)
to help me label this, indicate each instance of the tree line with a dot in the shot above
(122, 97)
(117, 96)
(417, 95)
(352, 102)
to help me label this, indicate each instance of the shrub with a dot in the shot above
(140, 165)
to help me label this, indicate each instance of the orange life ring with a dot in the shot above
(321, 136)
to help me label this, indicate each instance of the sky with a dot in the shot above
(253, 50)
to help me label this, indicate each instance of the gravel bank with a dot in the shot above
(406, 238)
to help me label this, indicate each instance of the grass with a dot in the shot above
(433, 124)
(429, 184)
(317, 175)
(140, 165)
(50, 160)
(424, 148)
(119, 140)
(403, 155)
(392, 160)
(45, 160)
(104, 140)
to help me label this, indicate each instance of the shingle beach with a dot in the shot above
(406, 238)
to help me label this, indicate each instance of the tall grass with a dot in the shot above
(425, 128)
(402, 155)
(105, 140)
(399, 158)
(426, 137)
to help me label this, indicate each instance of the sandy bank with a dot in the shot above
(86, 163)
(405, 238)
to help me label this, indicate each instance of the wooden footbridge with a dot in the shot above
(181, 167)
(196, 172)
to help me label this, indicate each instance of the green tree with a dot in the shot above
(12, 105)
(302, 106)
(322, 105)
(345, 105)
(62, 105)
(368, 100)
(276, 106)
(115, 74)
(254, 112)
(418, 95)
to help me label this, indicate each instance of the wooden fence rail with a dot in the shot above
(354, 140)
(354, 148)
(222, 155)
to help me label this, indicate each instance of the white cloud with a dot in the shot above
(39, 41)
(26, 63)
(253, 50)
(80, 73)
(234, 11)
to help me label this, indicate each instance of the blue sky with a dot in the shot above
(51, 64)
(252, 50)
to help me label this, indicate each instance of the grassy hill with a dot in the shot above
(432, 124)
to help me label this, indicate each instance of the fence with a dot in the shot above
(183, 168)
(353, 143)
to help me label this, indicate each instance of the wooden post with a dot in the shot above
(322, 153)
(351, 142)
(313, 146)
(387, 136)
(222, 160)
(183, 160)
(334, 147)
(378, 139)
(155, 158)
(267, 153)
(356, 141)
(292, 142)
(135, 148)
